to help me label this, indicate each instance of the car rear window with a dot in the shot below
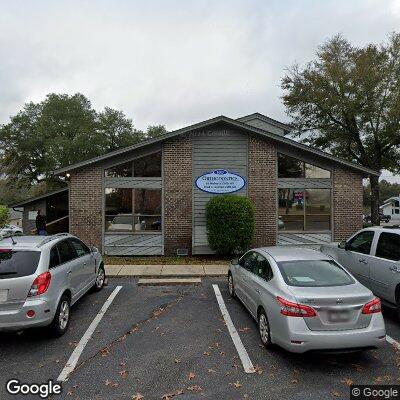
(314, 273)
(16, 263)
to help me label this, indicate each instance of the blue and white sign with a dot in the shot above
(220, 181)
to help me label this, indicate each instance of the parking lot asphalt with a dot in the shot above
(172, 343)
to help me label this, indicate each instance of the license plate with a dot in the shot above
(338, 316)
(3, 295)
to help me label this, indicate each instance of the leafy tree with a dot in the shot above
(386, 190)
(3, 215)
(59, 131)
(116, 130)
(230, 223)
(348, 99)
(12, 193)
(154, 131)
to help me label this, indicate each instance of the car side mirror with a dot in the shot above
(343, 245)
(235, 261)
(94, 249)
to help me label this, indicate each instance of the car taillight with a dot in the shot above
(40, 284)
(372, 307)
(294, 309)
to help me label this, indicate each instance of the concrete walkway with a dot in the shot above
(163, 271)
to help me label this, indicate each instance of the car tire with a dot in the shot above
(61, 319)
(398, 307)
(100, 279)
(231, 286)
(264, 329)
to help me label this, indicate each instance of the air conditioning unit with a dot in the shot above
(182, 252)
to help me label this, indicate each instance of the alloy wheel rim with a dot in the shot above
(64, 315)
(100, 278)
(264, 331)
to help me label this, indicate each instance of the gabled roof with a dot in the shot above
(269, 120)
(41, 197)
(234, 124)
(393, 198)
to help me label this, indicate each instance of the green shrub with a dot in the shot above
(3, 215)
(230, 224)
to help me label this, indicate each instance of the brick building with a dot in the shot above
(150, 198)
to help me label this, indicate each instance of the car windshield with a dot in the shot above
(314, 273)
(16, 264)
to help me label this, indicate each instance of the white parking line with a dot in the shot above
(244, 357)
(393, 342)
(73, 360)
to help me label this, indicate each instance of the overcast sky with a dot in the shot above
(172, 62)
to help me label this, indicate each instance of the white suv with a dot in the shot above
(42, 277)
(372, 255)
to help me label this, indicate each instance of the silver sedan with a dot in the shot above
(304, 300)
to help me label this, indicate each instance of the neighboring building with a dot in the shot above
(391, 207)
(15, 217)
(150, 198)
(53, 205)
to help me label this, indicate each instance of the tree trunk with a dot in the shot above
(374, 182)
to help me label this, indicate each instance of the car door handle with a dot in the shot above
(258, 291)
(84, 264)
(395, 269)
(363, 261)
(69, 272)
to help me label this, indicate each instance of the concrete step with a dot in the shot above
(170, 271)
(168, 281)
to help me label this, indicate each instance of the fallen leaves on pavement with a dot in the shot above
(347, 381)
(137, 396)
(194, 388)
(123, 373)
(191, 376)
(258, 369)
(169, 396)
(236, 385)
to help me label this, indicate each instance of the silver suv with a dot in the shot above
(372, 255)
(42, 277)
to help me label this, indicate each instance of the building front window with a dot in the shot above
(132, 210)
(147, 166)
(304, 210)
(118, 210)
(291, 209)
(289, 167)
(147, 210)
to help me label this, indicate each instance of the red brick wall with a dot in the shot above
(177, 158)
(85, 207)
(347, 203)
(262, 189)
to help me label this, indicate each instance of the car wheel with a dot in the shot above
(231, 286)
(61, 319)
(100, 279)
(398, 307)
(264, 329)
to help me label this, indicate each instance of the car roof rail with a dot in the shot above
(391, 227)
(52, 237)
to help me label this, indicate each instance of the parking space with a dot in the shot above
(172, 342)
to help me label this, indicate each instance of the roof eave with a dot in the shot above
(242, 125)
(33, 199)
